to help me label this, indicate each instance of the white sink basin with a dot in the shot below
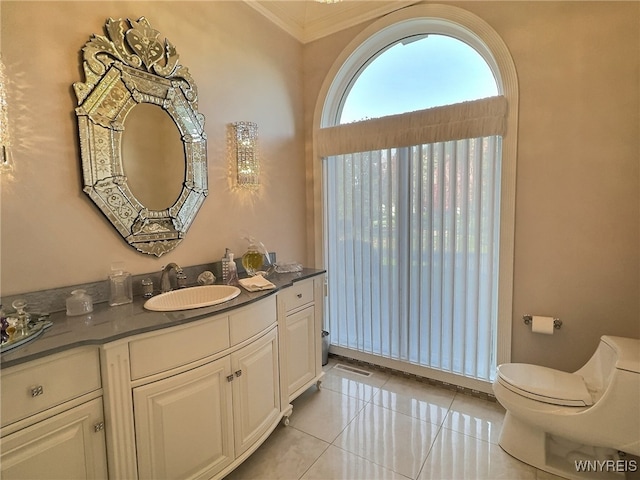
(192, 297)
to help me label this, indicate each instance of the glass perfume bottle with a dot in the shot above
(79, 303)
(252, 260)
(120, 287)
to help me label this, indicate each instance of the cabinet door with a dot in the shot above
(184, 426)
(68, 445)
(300, 351)
(256, 391)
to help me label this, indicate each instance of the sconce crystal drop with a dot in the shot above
(248, 167)
(5, 143)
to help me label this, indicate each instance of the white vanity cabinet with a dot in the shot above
(194, 424)
(300, 350)
(187, 401)
(203, 395)
(184, 426)
(52, 418)
(300, 320)
(256, 390)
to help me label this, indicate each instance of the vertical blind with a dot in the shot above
(412, 235)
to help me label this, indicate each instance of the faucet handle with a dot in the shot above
(181, 279)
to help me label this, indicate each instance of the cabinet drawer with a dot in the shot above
(178, 346)
(66, 445)
(251, 320)
(36, 386)
(297, 295)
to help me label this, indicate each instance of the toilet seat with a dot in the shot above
(545, 384)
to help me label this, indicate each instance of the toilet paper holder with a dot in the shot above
(528, 319)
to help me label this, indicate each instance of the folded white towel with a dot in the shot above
(256, 283)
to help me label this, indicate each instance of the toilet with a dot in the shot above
(576, 425)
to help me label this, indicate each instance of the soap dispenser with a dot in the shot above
(225, 266)
(120, 288)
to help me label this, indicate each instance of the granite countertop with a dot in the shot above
(107, 324)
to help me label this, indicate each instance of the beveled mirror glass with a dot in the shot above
(151, 144)
(142, 140)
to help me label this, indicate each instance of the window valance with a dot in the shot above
(478, 118)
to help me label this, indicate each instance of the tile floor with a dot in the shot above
(386, 427)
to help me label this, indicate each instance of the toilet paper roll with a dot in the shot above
(542, 325)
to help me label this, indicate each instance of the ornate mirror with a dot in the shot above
(142, 140)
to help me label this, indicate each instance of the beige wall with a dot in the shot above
(245, 68)
(577, 240)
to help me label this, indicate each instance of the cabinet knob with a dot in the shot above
(98, 427)
(238, 373)
(37, 391)
(229, 378)
(299, 295)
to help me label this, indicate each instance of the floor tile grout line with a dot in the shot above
(310, 434)
(453, 426)
(366, 400)
(370, 461)
(332, 443)
(426, 458)
(348, 423)
(377, 390)
(352, 419)
(440, 426)
(370, 399)
(435, 438)
(316, 460)
(406, 415)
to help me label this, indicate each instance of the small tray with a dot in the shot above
(35, 329)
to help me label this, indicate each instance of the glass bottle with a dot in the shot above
(147, 288)
(79, 303)
(120, 287)
(22, 325)
(4, 336)
(252, 260)
(233, 271)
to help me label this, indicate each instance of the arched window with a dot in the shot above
(417, 72)
(418, 229)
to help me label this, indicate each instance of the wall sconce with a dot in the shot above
(245, 135)
(5, 158)
(5, 144)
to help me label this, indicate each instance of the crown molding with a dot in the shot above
(308, 20)
(291, 23)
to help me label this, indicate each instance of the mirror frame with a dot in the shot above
(128, 67)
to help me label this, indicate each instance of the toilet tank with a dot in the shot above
(598, 371)
(627, 352)
(612, 353)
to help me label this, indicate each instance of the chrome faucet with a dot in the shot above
(165, 281)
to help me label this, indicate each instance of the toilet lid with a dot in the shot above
(545, 384)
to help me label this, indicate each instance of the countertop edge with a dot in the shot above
(110, 324)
